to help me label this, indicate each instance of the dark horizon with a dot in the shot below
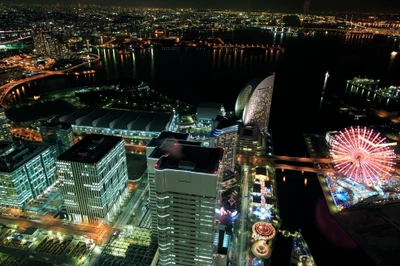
(315, 6)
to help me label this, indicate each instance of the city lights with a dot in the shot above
(361, 154)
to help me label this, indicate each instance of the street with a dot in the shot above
(242, 248)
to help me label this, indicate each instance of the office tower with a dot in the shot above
(5, 132)
(26, 171)
(152, 158)
(253, 104)
(94, 178)
(59, 134)
(187, 194)
(225, 134)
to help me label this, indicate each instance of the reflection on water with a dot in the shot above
(192, 73)
(160, 68)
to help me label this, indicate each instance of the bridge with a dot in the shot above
(372, 31)
(301, 159)
(255, 160)
(303, 169)
(5, 89)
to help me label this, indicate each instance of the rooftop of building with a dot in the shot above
(208, 110)
(91, 149)
(61, 125)
(249, 132)
(15, 154)
(191, 158)
(118, 119)
(221, 123)
(224, 122)
(157, 142)
(168, 145)
(261, 171)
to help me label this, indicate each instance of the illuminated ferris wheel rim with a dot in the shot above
(362, 154)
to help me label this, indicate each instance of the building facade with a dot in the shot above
(94, 178)
(26, 171)
(59, 134)
(5, 126)
(47, 45)
(188, 182)
(253, 104)
(225, 134)
(156, 148)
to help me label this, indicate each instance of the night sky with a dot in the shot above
(275, 5)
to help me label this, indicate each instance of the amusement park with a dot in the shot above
(365, 174)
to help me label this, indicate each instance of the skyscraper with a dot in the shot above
(153, 152)
(59, 134)
(188, 181)
(225, 134)
(253, 104)
(94, 178)
(26, 171)
(5, 133)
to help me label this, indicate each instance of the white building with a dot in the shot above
(188, 181)
(154, 150)
(94, 178)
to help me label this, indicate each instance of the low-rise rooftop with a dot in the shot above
(118, 119)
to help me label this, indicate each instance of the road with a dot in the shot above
(304, 169)
(242, 248)
(130, 208)
(99, 233)
(301, 159)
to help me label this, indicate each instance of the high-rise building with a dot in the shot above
(225, 134)
(59, 134)
(94, 178)
(188, 181)
(48, 45)
(253, 104)
(251, 141)
(5, 132)
(152, 158)
(26, 171)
